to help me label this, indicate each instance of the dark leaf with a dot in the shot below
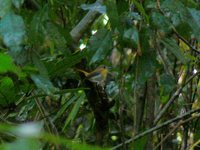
(112, 14)
(7, 91)
(175, 49)
(146, 66)
(100, 45)
(131, 36)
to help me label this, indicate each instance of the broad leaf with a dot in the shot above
(6, 64)
(18, 3)
(195, 24)
(5, 7)
(12, 29)
(95, 7)
(100, 45)
(43, 83)
(160, 22)
(171, 45)
(7, 91)
(146, 66)
(112, 14)
(131, 37)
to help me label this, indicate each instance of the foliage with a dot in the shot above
(150, 47)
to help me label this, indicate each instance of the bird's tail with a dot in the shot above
(84, 72)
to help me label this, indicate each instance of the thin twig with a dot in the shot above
(185, 41)
(178, 125)
(157, 127)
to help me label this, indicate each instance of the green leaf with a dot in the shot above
(18, 3)
(5, 6)
(100, 44)
(167, 84)
(39, 65)
(74, 111)
(195, 23)
(112, 13)
(7, 91)
(12, 29)
(6, 64)
(140, 143)
(171, 45)
(61, 66)
(65, 106)
(181, 17)
(160, 22)
(37, 28)
(146, 66)
(43, 83)
(131, 37)
(95, 7)
(141, 10)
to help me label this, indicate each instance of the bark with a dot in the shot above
(150, 109)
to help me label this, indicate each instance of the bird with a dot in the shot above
(98, 76)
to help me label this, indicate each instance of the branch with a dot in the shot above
(83, 25)
(185, 41)
(158, 127)
(174, 96)
(178, 125)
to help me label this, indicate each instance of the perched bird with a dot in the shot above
(98, 76)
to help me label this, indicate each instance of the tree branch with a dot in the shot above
(159, 127)
(174, 96)
(185, 41)
(82, 26)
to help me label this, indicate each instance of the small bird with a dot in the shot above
(98, 76)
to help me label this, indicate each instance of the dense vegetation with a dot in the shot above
(150, 98)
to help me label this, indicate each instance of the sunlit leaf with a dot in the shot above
(6, 64)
